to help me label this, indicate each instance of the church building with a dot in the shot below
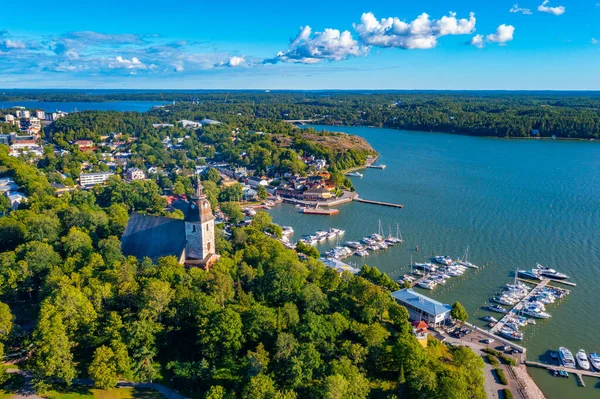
(191, 240)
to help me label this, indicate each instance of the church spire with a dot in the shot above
(199, 188)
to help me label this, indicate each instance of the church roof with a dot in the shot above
(153, 236)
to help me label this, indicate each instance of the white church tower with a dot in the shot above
(200, 231)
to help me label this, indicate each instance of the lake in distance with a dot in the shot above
(139, 106)
(513, 202)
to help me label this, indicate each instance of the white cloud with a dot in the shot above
(13, 44)
(329, 45)
(595, 41)
(133, 63)
(516, 9)
(421, 33)
(504, 33)
(236, 61)
(477, 41)
(559, 10)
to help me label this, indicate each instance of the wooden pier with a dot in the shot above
(515, 310)
(578, 372)
(551, 279)
(379, 203)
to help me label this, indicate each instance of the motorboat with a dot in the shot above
(530, 274)
(408, 277)
(354, 244)
(511, 334)
(566, 357)
(594, 360)
(354, 174)
(497, 308)
(551, 273)
(443, 259)
(362, 252)
(582, 360)
(287, 230)
(427, 285)
(490, 319)
(426, 266)
(503, 300)
(535, 312)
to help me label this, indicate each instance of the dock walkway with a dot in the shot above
(515, 310)
(578, 372)
(379, 203)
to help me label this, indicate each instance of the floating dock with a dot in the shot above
(578, 372)
(317, 211)
(519, 305)
(379, 203)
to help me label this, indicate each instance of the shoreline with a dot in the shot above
(460, 133)
(532, 390)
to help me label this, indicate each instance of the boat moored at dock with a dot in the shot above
(582, 360)
(566, 357)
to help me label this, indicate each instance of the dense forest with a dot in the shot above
(261, 323)
(502, 114)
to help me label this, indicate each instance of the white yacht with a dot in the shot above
(354, 174)
(535, 312)
(428, 285)
(594, 360)
(511, 334)
(503, 300)
(551, 273)
(443, 259)
(354, 244)
(582, 360)
(490, 319)
(566, 357)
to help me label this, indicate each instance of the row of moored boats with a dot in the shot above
(582, 360)
(438, 273)
(534, 307)
(541, 272)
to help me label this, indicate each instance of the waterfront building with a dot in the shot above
(41, 115)
(316, 194)
(91, 179)
(191, 240)
(8, 118)
(421, 307)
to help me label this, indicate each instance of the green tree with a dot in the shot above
(233, 211)
(53, 357)
(102, 370)
(458, 312)
(262, 193)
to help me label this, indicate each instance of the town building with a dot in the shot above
(421, 307)
(339, 266)
(135, 174)
(209, 122)
(159, 125)
(8, 118)
(421, 331)
(16, 199)
(84, 145)
(40, 114)
(190, 124)
(254, 182)
(191, 241)
(91, 179)
(317, 194)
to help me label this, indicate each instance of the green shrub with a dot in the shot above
(492, 360)
(507, 393)
(501, 376)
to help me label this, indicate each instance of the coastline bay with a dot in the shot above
(514, 202)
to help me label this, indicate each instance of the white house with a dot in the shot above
(16, 199)
(190, 124)
(90, 179)
(135, 174)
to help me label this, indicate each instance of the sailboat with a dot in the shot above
(392, 239)
(465, 260)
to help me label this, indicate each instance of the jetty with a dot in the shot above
(519, 306)
(578, 372)
(318, 211)
(379, 203)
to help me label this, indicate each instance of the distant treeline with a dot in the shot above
(502, 114)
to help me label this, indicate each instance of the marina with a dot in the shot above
(443, 214)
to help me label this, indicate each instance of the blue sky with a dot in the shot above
(327, 44)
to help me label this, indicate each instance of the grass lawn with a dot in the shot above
(114, 393)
